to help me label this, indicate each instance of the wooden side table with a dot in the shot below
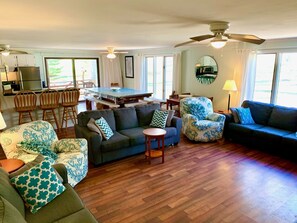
(158, 134)
(11, 165)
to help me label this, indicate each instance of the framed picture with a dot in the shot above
(129, 67)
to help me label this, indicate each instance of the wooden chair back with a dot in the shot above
(49, 99)
(25, 101)
(70, 97)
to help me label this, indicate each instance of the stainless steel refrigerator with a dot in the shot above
(30, 78)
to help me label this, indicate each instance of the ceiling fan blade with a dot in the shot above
(17, 52)
(185, 43)
(203, 37)
(245, 38)
(121, 52)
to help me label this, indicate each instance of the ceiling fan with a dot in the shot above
(111, 54)
(220, 38)
(5, 50)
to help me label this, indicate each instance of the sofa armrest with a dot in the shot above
(62, 171)
(176, 122)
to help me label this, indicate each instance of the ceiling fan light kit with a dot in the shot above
(5, 53)
(218, 29)
(111, 56)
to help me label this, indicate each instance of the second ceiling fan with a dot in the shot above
(220, 37)
(111, 53)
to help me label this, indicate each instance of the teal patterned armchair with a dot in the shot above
(199, 122)
(42, 137)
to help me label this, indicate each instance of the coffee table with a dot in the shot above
(11, 165)
(150, 134)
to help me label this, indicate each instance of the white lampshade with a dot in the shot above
(218, 43)
(2, 122)
(111, 56)
(5, 53)
(230, 85)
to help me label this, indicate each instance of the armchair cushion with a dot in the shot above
(35, 147)
(38, 185)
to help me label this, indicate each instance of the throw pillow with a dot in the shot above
(37, 148)
(235, 115)
(169, 117)
(159, 119)
(244, 115)
(93, 126)
(38, 186)
(105, 129)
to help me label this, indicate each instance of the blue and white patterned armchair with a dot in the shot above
(199, 122)
(73, 153)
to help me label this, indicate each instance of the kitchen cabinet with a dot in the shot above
(24, 60)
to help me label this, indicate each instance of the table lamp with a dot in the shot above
(229, 85)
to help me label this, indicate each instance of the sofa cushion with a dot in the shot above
(8, 192)
(235, 115)
(39, 185)
(117, 141)
(135, 135)
(8, 213)
(126, 118)
(145, 113)
(159, 119)
(62, 206)
(244, 116)
(284, 118)
(260, 111)
(84, 117)
(104, 127)
(270, 134)
(244, 129)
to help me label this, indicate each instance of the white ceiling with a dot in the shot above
(137, 24)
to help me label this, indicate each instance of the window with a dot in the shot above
(72, 72)
(276, 79)
(159, 75)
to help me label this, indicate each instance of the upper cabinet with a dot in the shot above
(20, 60)
(25, 60)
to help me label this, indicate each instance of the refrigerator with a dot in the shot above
(30, 78)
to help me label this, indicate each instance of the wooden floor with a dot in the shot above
(199, 182)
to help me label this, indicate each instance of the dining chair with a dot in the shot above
(70, 98)
(25, 103)
(49, 101)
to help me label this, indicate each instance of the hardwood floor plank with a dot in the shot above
(199, 182)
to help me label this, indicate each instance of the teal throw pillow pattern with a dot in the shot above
(105, 129)
(235, 115)
(37, 148)
(38, 186)
(159, 119)
(244, 115)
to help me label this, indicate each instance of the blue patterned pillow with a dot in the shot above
(244, 116)
(37, 148)
(105, 130)
(159, 119)
(38, 186)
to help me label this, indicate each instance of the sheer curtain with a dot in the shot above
(176, 85)
(139, 76)
(111, 72)
(244, 76)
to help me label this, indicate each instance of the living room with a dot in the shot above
(228, 174)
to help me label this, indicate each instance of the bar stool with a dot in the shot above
(49, 101)
(25, 103)
(70, 98)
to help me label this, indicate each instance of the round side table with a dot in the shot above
(158, 134)
(11, 165)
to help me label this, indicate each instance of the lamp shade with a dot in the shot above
(2, 122)
(218, 43)
(230, 85)
(111, 56)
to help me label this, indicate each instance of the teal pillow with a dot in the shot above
(38, 186)
(105, 129)
(37, 148)
(159, 119)
(244, 116)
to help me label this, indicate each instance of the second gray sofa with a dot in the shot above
(127, 125)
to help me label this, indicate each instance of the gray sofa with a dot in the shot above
(127, 125)
(274, 129)
(67, 207)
